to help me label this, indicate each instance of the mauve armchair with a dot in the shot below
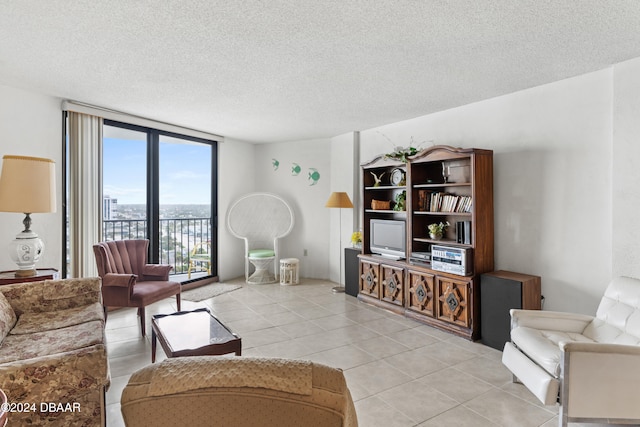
(127, 279)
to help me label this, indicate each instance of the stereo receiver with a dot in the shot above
(451, 260)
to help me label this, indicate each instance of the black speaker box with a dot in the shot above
(501, 291)
(351, 271)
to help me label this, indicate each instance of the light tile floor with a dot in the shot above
(400, 372)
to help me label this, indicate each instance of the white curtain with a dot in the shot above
(85, 192)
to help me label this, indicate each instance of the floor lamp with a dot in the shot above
(339, 200)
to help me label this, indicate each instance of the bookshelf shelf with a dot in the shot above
(438, 213)
(441, 242)
(443, 185)
(387, 187)
(385, 211)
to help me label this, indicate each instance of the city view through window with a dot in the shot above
(182, 187)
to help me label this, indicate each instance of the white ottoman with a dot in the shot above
(289, 271)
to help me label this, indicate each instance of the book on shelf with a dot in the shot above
(423, 200)
(429, 201)
(463, 232)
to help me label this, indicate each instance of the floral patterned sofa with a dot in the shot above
(53, 359)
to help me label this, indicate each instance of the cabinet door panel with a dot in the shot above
(420, 295)
(392, 288)
(454, 301)
(370, 279)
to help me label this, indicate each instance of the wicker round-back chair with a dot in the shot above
(260, 219)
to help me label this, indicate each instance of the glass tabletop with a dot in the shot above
(193, 329)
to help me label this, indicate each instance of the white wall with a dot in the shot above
(236, 176)
(342, 222)
(552, 179)
(31, 125)
(626, 169)
(307, 201)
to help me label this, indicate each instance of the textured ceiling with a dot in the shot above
(282, 70)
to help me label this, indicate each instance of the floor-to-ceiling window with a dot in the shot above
(185, 201)
(124, 183)
(161, 186)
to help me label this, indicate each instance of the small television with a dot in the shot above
(388, 238)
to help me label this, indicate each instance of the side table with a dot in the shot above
(8, 277)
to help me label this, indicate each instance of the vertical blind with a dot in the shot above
(85, 192)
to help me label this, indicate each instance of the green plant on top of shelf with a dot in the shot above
(402, 153)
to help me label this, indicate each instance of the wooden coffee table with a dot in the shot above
(192, 333)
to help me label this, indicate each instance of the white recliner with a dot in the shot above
(590, 365)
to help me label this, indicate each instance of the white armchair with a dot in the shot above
(590, 365)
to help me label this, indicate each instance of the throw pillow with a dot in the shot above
(7, 317)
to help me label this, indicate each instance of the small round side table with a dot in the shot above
(289, 274)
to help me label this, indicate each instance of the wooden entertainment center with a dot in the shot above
(440, 184)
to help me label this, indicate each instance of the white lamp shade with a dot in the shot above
(27, 185)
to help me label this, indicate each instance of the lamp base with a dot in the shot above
(25, 251)
(25, 273)
(337, 289)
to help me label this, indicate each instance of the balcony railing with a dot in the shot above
(177, 237)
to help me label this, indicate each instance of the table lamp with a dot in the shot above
(339, 200)
(27, 185)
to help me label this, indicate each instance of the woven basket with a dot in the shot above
(380, 204)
